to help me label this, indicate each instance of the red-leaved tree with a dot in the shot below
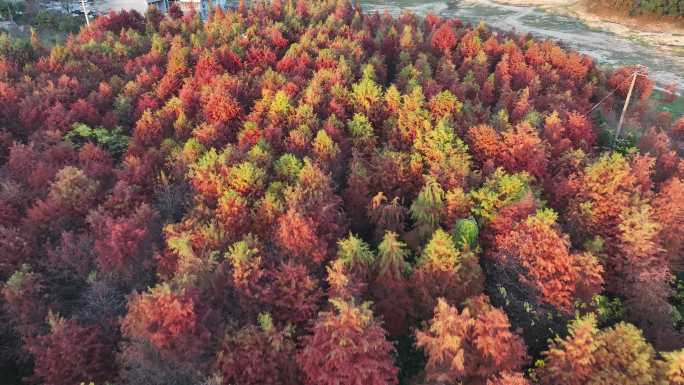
(347, 347)
(71, 353)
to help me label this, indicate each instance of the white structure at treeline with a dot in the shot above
(200, 6)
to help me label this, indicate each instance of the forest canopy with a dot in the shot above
(673, 8)
(298, 192)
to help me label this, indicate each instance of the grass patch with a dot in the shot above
(676, 108)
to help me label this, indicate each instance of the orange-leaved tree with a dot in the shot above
(471, 345)
(543, 253)
(589, 356)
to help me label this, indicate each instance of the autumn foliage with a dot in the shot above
(347, 345)
(560, 278)
(472, 345)
(618, 354)
(71, 353)
(302, 192)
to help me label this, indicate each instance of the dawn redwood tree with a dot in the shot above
(356, 255)
(24, 302)
(390, 289)
(148, 129)
(367, 101)
(326, 152)
(668, 208)
(73, 190)
(580, 130)
(612, 205)
(427, 208)
(604, 191)
(485, 143)
(248, 273)
(227, 159)
(96, 162)
(517, 149)
(34, 166)
(386, 215)
(457, 206)
(645, 275)
(315, 219)
(621, 78)
(343, 283)
(70, 197)
(296, 236)
(444, 39)
(348, 346)
(443, 271)
(445, 155)
(559, 276)
(220, 108)
(124, 245)
(71, 353)
(523, 150)
(591, 356)
(395, 174)
(555, 134)
(266, 213)
(294, 295)
(73, 252)
(15, 249)
(168, 319)
(672, 369)
(569, 361)
(659, 145)
(234, 213)
(471, 346)
(678, 128)
(258, 355)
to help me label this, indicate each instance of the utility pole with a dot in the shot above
(85, 11)
(9, 11)
(624, 109)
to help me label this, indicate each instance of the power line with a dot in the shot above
(633, 77)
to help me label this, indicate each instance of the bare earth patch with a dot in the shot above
(664, 33)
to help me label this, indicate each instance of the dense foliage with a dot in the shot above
(655, 7)
(301, 193)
